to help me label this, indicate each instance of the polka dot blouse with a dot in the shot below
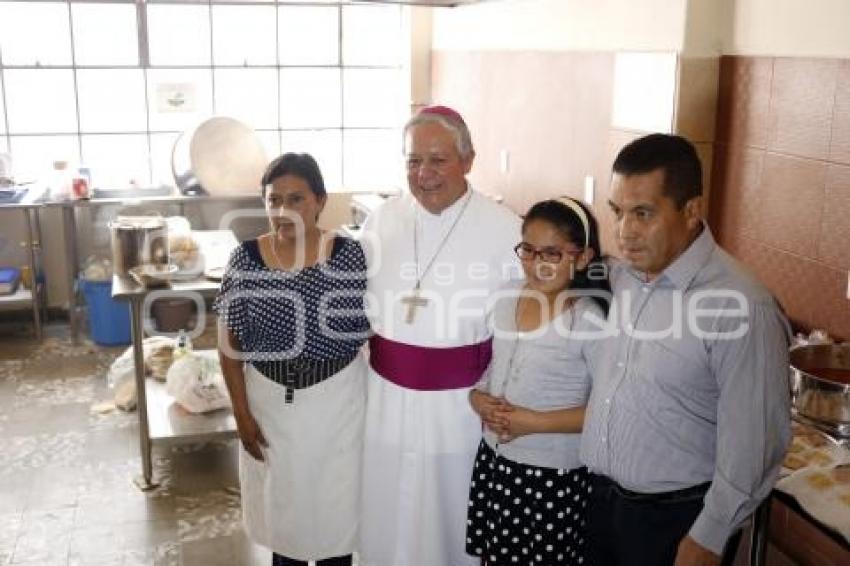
(316, 312)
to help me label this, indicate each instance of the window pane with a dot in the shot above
(179, 35)
(117, 161)
(249, 95)
(2, 110)
(105, 34)
(326, 148)
(243, 35)
(40, 101)
(373, 98)
(161, 147)
(310, 98)
(4, 146)
(271, 142)
(35, 33)
(308, 35)
(372, 159)
(178, 98)
(111, 100)
(34, 155)
(371, 35)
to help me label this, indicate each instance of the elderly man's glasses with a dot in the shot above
(527, 252)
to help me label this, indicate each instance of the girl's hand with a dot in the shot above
(486, 406)
(251, 436)
(518, 421)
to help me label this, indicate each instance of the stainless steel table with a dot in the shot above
(33, 297)
(161, 420)
(69, 232)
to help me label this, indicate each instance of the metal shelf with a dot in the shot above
(21, 297)
(169, 422)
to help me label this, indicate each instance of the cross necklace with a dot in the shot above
(414, 300)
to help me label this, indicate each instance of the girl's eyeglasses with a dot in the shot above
(527, 252)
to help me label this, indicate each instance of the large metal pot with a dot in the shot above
(820, 386)
(138, 240)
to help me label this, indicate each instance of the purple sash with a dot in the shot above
(429, 369)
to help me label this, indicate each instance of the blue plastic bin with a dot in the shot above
(109, 320)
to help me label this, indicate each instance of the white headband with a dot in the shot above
(582, 215)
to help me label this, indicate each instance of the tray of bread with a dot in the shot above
(816, 471)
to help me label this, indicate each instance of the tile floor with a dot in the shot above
(66, 492)
(67, 496)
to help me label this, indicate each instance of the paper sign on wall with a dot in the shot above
(175, 97)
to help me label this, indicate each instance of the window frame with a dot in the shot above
(143, 63)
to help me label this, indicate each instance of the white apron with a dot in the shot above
(304, 500)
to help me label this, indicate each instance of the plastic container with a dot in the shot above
(172, 314)
(109, 320)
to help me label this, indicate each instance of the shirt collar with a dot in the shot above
(448, 212)
(684, 268)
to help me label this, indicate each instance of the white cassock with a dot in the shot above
(420, 444)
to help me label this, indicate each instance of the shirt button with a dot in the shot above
(621, 365)
(630, 326)
(604, 439)
(607, 401)
(645, 289)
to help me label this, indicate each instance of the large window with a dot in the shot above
(112, 83)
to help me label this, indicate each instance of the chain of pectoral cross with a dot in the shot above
(414, 300)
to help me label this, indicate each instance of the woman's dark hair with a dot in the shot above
(301, 165)
(593, 277)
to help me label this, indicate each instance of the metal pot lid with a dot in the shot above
(227, 156)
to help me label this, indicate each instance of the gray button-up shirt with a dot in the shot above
(542, 370)
(692, 387)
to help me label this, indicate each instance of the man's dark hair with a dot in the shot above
(674, 155)
(301, 165)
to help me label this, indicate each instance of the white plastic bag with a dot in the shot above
(196, 382)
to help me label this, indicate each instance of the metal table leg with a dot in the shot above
(32, 243)
(69, 225)
(144, 482)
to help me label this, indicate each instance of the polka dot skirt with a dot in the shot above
(520, 514)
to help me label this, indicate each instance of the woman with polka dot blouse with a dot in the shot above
(528, 491)
(291, 326)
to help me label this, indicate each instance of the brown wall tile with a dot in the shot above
(830, 307)
(834, 240)
(782, 273)
(783, 211)
(734, 203)
(840, 145)
(744, 100)
(801, 102)
(790, 203)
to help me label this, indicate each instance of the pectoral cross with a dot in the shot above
(413, 301)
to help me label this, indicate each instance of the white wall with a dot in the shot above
(793, 28)
(583, 25)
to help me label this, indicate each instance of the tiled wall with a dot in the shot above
(550, 109)
(781, 181)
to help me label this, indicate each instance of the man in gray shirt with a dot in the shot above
(688, 419)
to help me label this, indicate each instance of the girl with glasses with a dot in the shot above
(528, 491)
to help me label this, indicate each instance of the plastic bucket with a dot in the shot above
(109, 320)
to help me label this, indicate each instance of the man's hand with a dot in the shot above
(691, 553)
(251, 436)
